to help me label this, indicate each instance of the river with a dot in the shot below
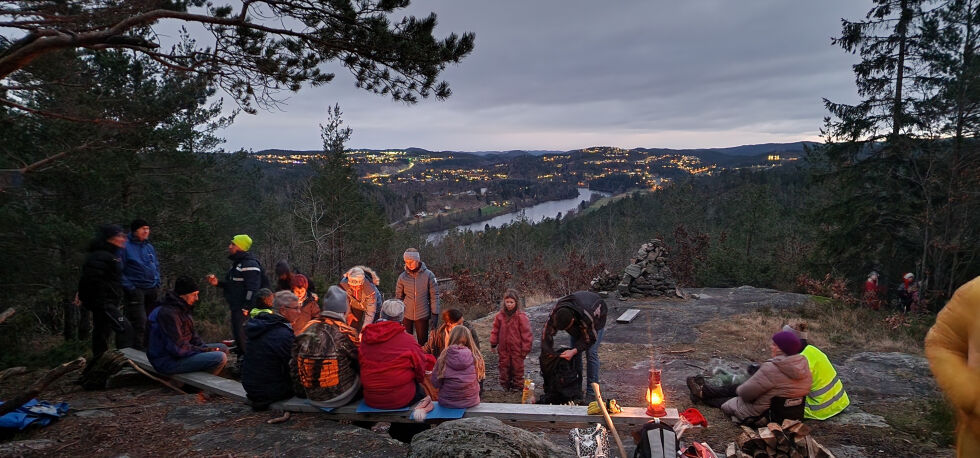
(533, 214)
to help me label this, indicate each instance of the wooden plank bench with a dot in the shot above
(628, 316)
(536, 413)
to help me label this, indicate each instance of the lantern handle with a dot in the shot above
(605, 413)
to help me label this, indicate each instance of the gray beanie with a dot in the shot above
(392, 310)
(334, 303)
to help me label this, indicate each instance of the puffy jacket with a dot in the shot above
(100, 287)
(243, 279)
(953, 349)
(785, 376)
(511, 334)
(172, 335)
(418, 290)
(458, 387)
(265, 371)
(392, 363)
(140, 266)
(827, 396)
(302, 314)
(438, 338)
(590, 316)
(368, 300)
(330, 343)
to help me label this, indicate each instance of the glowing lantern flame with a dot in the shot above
(655, 395)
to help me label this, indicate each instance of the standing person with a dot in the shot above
(871, 299)
(284, 276)
(459, 370)
(100, 287)
(243, 279)
(140, 281)
(582, 315)
(324, 366)
(416, 287)
(173, 345)
(953, 350)
(908, 293)
(265, 370)
(512, 337)
(363, 298)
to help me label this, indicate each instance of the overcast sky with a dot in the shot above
(563, 74)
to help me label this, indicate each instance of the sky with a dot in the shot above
(569, 74)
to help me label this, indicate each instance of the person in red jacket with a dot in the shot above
(511, 337)
(392, 362)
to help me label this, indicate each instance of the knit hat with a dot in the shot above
(185, 285)
(355, 273)
(334, 303)
(393, 310)
(414, 255)
(242, 241)
(908, 276)
(137, 223)
(109, 231)
(787, 342)
(299, 281)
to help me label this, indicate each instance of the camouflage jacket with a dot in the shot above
(324, 363)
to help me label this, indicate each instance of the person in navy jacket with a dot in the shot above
(140, 282)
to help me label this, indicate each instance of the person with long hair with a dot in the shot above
(459, 370)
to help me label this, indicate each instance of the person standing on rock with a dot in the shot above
(953, 349)
(243, 279)
(140, 281)
(582, 315)
(512, 338)
(417, 289)
(100, 287)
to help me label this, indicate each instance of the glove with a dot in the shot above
(611, 406)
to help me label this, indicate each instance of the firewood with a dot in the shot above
(788, 424)
(760, 454)
(768, 437)
(742, 440)
(751, 432)
(774, 428)
(795, 454)
(54, 374)
(730, 450)
(798, 429)
(811, 447)
(741, 454)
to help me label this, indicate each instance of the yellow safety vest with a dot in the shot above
(827, 396)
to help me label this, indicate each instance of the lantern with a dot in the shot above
(655, 395)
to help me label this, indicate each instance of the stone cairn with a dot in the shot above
(648, 275)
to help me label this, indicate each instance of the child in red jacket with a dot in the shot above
(512, 333)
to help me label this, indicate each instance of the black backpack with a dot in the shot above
(562, 378)
(656, 440)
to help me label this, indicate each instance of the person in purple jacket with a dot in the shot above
(459, 370)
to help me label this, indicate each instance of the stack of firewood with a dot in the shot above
(792, 439)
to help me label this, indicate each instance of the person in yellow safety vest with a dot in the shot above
(827, 396)
(953, 350)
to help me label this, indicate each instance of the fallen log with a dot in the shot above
(12, 372)
(7, 314)
(54, 374)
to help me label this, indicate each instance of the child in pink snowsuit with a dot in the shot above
(512, 338)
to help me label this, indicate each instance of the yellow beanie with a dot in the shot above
(242, 241)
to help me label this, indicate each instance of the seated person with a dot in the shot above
(264, 302)
(363, 297)
(265, 371)
(173, 345)
(324, 365)
(392, 362)
(439, 337)
(827, 396)
(459, 370)
(289, 307)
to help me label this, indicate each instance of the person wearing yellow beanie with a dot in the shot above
(240, 284)
(242, 241)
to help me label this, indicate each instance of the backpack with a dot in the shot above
(562, 378)
(655, 440)
(316, 358)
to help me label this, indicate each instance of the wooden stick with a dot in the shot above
(7, 314)
(54, 374)
(141, 371)
(609, 422)
(12, 372)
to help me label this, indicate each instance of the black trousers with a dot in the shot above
(420, 328)
(138, 304)
(238, 329)
(715, 396)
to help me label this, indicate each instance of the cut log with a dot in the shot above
(54, 374)
(628, 316)
(743, 440)
(730, 450)
(7, 314)
(768, 437)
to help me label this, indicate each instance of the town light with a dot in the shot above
(655, 395)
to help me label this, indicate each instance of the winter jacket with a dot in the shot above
(511, 334)
(827, 396)
(953, 349)
(265, 371)
(100, 287)
(417, 289)
(438, 339)
(784, 376)
(172, 336)
(140, 266)
(458, 387)
(392, 363)
(590, 316)
(302, 314)
(325, 367)
(367, 300)
(242, 281)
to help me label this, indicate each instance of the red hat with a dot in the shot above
(299, 281)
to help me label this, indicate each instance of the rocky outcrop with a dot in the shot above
(482, 437)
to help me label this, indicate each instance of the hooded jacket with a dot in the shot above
(140, 266)
(100, 287)
(953, 349)
(265, 371)
(172, 336)
(392, 363)
(589, 311)
(784, 376)
(243, 279)
(327, 342)
(367, 300)
(458, 387)
(511, 334)
(418, 290)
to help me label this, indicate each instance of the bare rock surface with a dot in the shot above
(483, 437)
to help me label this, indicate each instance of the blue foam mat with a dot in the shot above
(364, 408)
(440, 412)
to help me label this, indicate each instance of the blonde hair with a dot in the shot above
(460, 335)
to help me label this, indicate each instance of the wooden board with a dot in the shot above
(630, 416)
(628, 316)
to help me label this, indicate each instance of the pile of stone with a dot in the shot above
(648, 275)
(605, 281)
